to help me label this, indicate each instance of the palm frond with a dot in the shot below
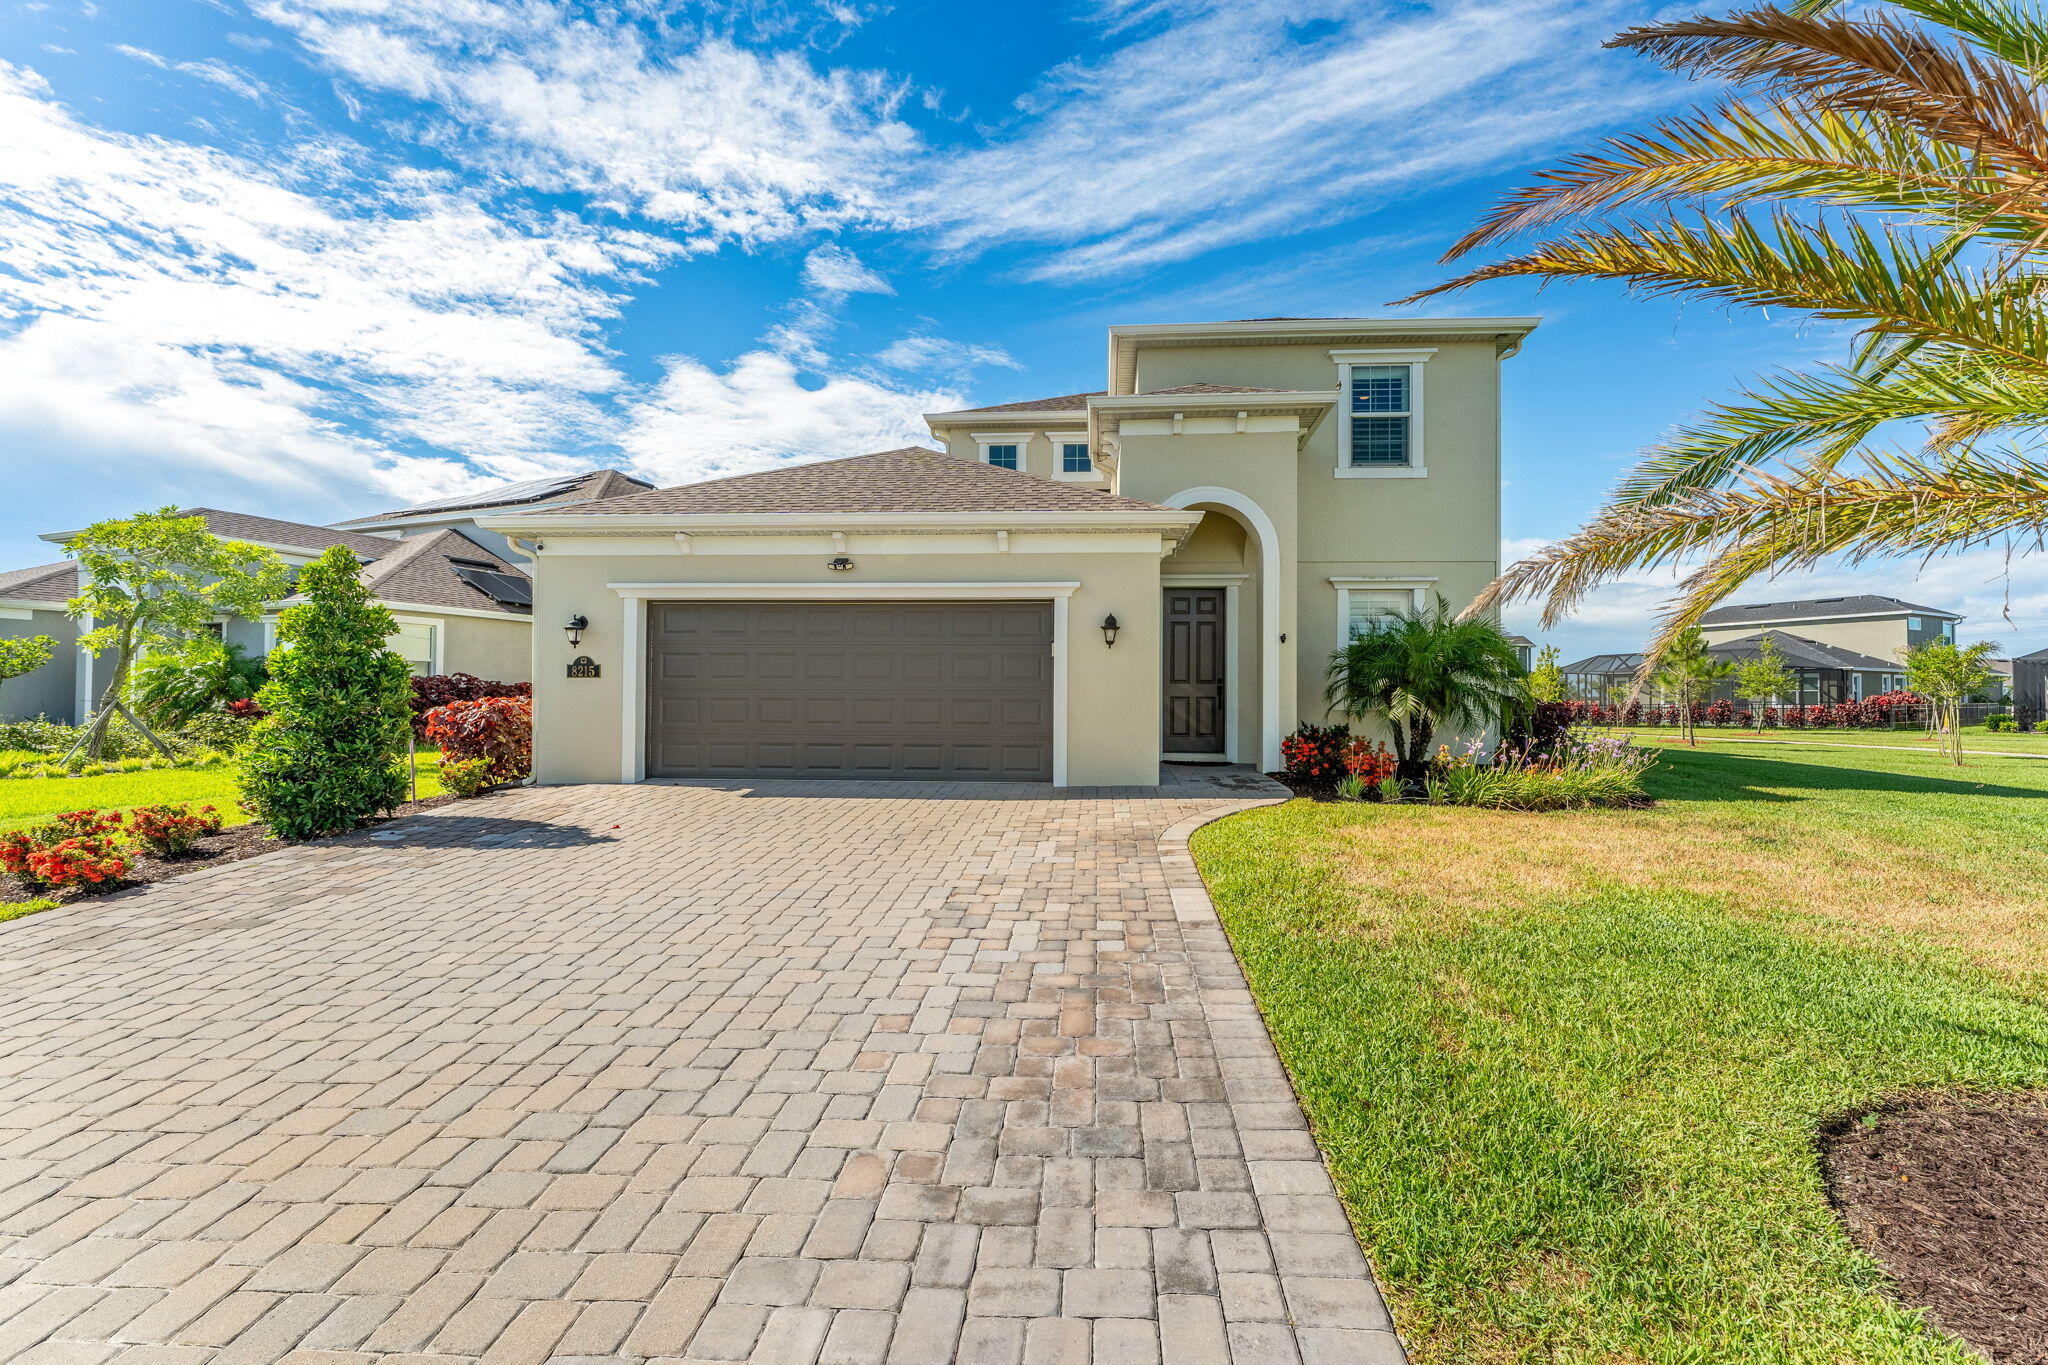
(2008, 32)
(1871, 64)
(1823, 415)
(1737, 152)
(1890, 279)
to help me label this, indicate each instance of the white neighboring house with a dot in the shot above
(462, 597)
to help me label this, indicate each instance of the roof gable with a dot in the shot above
(564, 489)
(427, 571)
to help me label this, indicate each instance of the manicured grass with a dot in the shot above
(1568, 1068)
(1975, 737)
(32, 800)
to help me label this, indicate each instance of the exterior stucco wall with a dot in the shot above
(1880, 637)
(1038, 455)
(51, 690)
(1112, 693)
(501, 650)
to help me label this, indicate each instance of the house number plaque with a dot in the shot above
(583, 667)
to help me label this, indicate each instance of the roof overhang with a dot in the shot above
(1106, 415)
(1126, 340)
(1034, 419)
(1817, 619)
(1165, 520)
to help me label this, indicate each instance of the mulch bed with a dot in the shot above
(231, 845)
(1950, 1195)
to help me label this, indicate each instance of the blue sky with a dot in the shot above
(319, 257)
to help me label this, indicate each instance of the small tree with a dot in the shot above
(330, 752)
(1945, 674)
(156, 580)
(1687, 673)
(1546, 679)
(25, 655)
(1763, 679)
(1427, 670)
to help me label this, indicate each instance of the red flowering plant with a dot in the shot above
(1369, 763)
(168, 831)
(1315, 753)
(245, 709)
(77, 848)
(498, 730)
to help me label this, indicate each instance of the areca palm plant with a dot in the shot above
(1424, 671)
(1888, 169)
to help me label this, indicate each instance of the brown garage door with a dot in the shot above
(955, 690)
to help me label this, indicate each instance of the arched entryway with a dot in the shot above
(1238, 559)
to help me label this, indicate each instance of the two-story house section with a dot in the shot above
(1346, 468)
(1865, 637)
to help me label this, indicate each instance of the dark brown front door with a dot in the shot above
(1194, 670)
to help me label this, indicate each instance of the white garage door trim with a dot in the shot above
(633, 662)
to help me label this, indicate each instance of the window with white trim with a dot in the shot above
(414, 642)
(1075, 459)
(1382, 414)
(1368, 609)
(1003, 454)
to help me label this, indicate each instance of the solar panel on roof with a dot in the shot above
(509, 492)
(506, 589)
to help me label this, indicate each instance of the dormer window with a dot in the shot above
(1002, 449)
(1379, 399)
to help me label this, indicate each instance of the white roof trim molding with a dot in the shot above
(1125, 340)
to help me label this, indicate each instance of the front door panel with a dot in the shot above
(1194, 670)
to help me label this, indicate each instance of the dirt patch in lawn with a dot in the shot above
(231, 845)
(1950, 1195)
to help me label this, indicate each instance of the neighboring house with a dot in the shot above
(1072, 588)
(2030, 685)
(1840, 648)
(460, 593)
(459, 514)
(1525, 650)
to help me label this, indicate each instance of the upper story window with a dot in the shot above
(1074, 458)
(1914, 623)
(1379, 402)
(1002, 449)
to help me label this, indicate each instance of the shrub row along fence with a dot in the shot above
(1887, 711)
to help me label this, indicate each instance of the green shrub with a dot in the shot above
(38, 736)
(16, 909)
(466, 777)
(1999, 722)
(331, 752)
(215, 730)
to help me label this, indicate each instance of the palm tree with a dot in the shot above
(1904, 156)
(1424, 671)
(1687, 674)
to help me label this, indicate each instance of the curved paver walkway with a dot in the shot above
(676, 1072)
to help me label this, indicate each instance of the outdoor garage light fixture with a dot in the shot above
(1109, 630)
(840, 565)
(577, 625)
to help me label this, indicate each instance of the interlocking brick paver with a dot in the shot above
(786, 1072)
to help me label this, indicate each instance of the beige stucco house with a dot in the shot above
(1065, 589)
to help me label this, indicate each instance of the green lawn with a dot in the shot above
(1567, 1068)
(1975, 737)
(31, 800)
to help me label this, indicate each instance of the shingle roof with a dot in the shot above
(421, 571)
(912, 479)
(598, 483)
(295, 534)
(41, 582)
(1862, 604)
(1066, 402)
(1795, 650)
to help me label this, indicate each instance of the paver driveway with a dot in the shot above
(779, 1073)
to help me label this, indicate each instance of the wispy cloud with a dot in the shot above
(183, 292)
(212, 70)
(1223, 121)
(727, 141)
(702, 423)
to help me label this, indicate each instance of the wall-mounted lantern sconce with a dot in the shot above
(840, 565)
(1109, 630)
(577, 625)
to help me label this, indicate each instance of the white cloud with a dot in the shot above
(835, 270)
(928, 354)
(727, 142)
(212, 69)
(700, 423)
(1244, 119)
(387, 302)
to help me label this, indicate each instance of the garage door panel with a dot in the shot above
(905, 690)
